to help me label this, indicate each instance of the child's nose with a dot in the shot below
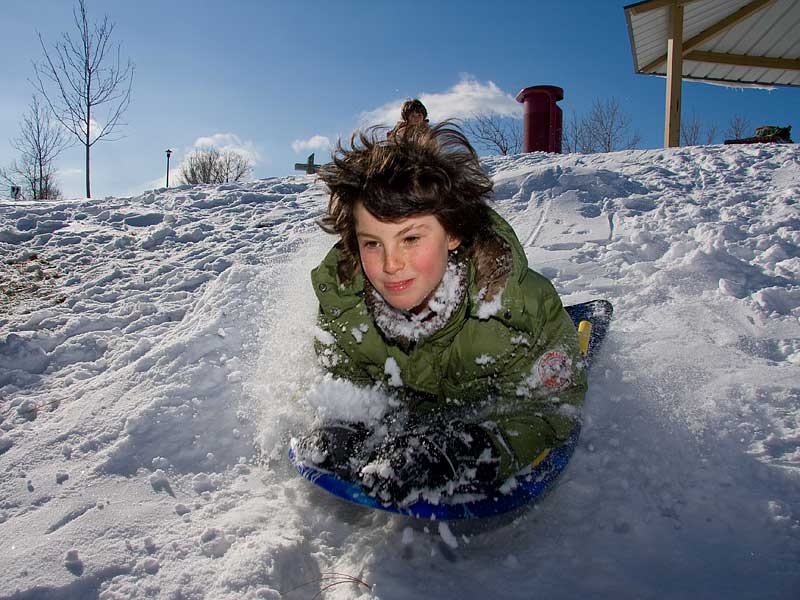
(392, 262)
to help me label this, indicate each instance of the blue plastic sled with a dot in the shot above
(523, 488)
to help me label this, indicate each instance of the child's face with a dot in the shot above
(404, 260)
(415, 118)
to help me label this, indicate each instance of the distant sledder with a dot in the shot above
(428, 293)
(767, 134)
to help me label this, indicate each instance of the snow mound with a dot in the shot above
(156, 358)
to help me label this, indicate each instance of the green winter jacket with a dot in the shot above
(513, 366)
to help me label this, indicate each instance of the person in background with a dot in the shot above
(412, 114)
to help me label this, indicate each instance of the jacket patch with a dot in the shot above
(554, 369)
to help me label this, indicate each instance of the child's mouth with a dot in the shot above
(398, 286)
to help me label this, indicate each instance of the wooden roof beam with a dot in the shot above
(643, 7)
(717, 28)
(726, 23)
(766, 62)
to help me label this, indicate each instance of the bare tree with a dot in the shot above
(234, 166)
(608, 128)
(738, 127)
(209, 165)
(574, 136)
(693, 132)
(40, 142)
(605, 128)
(690, 130)
(711, 133)
(24, 175)
(569, 134)
(495, 132)
(84, 74)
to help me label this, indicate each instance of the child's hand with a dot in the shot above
(455, 457)
(335, 447)
(405, 463)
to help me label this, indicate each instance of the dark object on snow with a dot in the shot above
(335, 447)
(767, 134)
(427, 456)
(476, 499)
(310, 167)
(456, 455)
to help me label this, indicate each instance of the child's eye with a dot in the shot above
(411, 239)
(369, 244)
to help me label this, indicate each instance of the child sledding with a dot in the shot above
(428, 293)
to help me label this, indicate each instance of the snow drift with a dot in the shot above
(156, 357)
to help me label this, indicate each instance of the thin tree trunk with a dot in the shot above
(39, 158)
(88, 188)
(88, 134)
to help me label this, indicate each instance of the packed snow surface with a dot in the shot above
(156, 357)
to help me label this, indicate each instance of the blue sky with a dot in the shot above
(271, 78)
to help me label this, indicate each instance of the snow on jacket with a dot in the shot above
(507, 358)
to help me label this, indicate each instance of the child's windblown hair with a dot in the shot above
(430, 171)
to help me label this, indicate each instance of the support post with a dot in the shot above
(672, 120)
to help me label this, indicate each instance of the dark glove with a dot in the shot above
(405, 462)
(335, 447)
(477, 456)
(451, 458)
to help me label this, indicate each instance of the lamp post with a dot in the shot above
(169, 152)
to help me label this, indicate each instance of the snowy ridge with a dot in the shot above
(156, 358)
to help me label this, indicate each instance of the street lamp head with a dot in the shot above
(168, 155)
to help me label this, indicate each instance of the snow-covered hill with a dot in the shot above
(155, 358)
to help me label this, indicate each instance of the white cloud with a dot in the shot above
(467, 97)
(317, 142)
(158, 182)
(94, 130)
(69, 173)
(228, 141)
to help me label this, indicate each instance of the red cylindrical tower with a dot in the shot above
(543, 118)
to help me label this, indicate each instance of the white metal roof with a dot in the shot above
(747, 42)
